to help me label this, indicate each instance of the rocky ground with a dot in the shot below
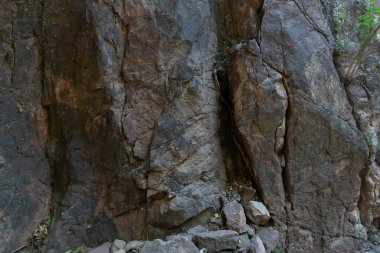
(227, 231)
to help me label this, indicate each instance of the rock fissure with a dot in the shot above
(201, 117)
(310, 20)
(224, 98)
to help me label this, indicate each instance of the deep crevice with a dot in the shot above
(285, 170)
(235, 156)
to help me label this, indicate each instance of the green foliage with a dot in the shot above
(368, 21)
(277, 249)
(368, 26)
(339, 16)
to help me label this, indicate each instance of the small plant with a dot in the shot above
(277, 249)
(368, 27)
(39, 235)
(340, 15)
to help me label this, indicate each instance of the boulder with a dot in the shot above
(216, 241)
(104, 248)
(180, 245)
(118, 244)
(256, 246)
(270, 238)
(258, 213)
(235, 217)
(133, 245)
(179, 236)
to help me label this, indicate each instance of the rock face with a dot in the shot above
(128, 118)
(24, 168)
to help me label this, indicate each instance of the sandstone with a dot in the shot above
(235, 217)
(258, 213)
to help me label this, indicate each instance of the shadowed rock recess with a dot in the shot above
(217, 125)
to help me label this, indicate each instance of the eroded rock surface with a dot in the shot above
(127, 119)
(24, 168)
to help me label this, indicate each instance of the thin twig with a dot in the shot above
(20, 248)
(359, 55)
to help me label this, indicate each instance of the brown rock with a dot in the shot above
(116, 127)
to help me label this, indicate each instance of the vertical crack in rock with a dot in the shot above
(318, 168)
(260, 104)
(236, 159)
(286, 181)
(361, 103)
(365, 121)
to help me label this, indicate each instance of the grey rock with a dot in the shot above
(312, 169)
(141, 100)
(250, 231)
(180, 245)
(119, 244)
(24, 168)
(360, 232)
(115, 124)
(104, 248)
(258, 213)
(256, 246)
(342, 244)
(196, 230)
(270, 238)
(133, 245)
(235, 217)
(120, 251)
(219, 240)
(243, 241)
(179, 236)
(2, 161)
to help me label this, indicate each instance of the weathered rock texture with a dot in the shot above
(24, 170)
(127, 119)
